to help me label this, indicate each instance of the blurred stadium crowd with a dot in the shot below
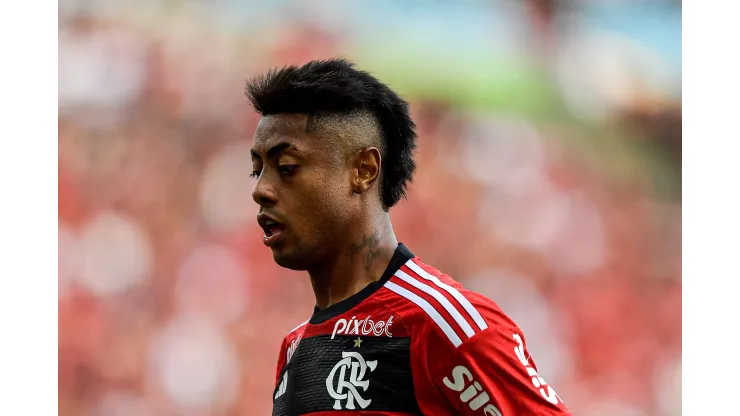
(549, 180)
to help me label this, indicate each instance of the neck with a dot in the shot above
(360, 260)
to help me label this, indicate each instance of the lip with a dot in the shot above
(271, 237)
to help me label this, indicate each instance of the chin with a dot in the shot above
(289, 262)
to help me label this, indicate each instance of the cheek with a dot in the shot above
(327, 202)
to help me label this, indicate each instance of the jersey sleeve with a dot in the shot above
(287, 348)
(281, 361)
(491, 372)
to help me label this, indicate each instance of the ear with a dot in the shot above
(365, 168)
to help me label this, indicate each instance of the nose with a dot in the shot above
(264, 194)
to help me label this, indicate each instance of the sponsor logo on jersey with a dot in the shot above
(362, 327)
(349, 374)
(471, 392)
(545, 391)
(291, 349)
(283, 385)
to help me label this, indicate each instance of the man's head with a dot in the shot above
(334, 145)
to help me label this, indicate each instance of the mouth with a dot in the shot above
(272, 228)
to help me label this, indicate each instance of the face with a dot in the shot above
(303, 188)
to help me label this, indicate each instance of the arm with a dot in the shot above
(490, 373)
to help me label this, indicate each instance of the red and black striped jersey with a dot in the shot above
(413, 343)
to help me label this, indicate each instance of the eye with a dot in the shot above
(287, 170)
(255, 174)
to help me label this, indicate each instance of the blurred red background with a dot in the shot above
(549, 180)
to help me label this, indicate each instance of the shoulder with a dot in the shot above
(291, 340)
(288, 347)
(295, 333)
(435, 306)
(298, 330)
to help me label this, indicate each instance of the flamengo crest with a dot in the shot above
(347, 389)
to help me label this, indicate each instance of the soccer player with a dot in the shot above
(389, 335)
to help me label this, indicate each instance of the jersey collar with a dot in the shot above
(400, 257)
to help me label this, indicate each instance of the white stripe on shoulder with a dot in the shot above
(302, 323)
(423, 304)
(440, 298)
(452, 291)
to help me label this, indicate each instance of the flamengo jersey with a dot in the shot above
(413, 343)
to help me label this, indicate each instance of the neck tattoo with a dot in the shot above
(368, 246)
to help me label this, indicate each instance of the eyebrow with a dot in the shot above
(274, 150)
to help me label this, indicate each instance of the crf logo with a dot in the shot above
(472, 392)
(363, 327)
(347, 389)
(546, 391)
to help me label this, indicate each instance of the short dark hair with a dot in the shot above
(334, 87)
